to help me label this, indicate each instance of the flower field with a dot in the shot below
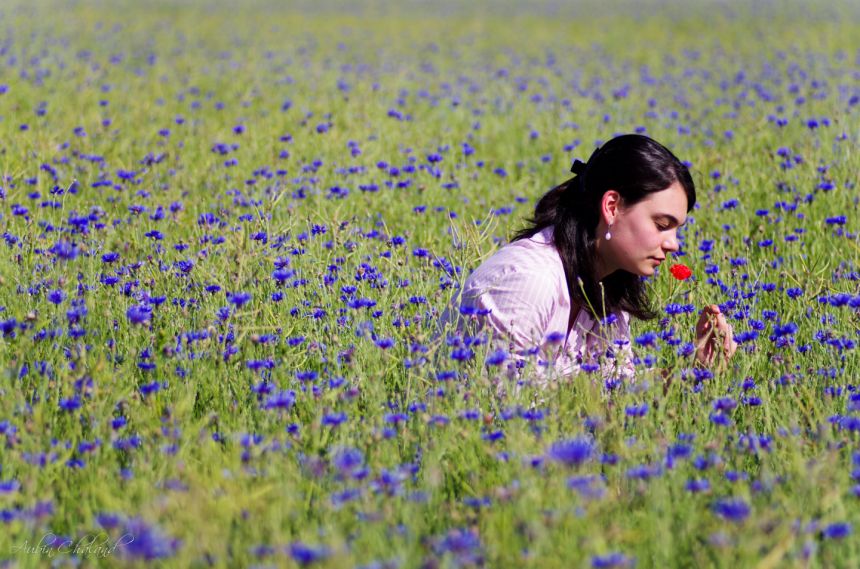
(230, 233)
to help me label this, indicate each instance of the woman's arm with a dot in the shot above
(516, 306)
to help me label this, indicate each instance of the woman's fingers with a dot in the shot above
(712, 309)
(705, 320)
(709, 315)
(712, 325)
(728, 335)
(731, 345)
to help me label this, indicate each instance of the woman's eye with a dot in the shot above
(662, 227)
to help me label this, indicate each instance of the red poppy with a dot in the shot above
(681, 272)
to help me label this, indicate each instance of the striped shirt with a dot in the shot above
(520, 295)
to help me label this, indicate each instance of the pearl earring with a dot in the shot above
(608, 235)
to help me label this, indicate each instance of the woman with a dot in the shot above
(564, 288)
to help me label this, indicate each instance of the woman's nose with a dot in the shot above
(671, 244)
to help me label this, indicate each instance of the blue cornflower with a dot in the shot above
(679, 450)
(720, 419)
(644, 471)
(747, 336)
(463, 544)
(70, 404)
(572, 452)
(446, 375)
(850, 422)
(615, 559)
(462, 354)
(674, 308)
(139, 314)
(385, 343)
(239, 298)
(108, 521)
(149, 542)
(150, 388)
(725, 404)
(731, 509)
(307, 375)
(305, 555)
(838, 530)
(646, 339)
(56, 296)
(65, 250)
(698, 485)
(836, 300)
(295, 340)
(207, 219)
(686, 349)
(334, 419)
(636, 410)
(396, 418)
(493, 436)
(555, 337)
(783, 330)
(7, 327)
(587, 486)
(281, 275)
(348, 459)
(497, 357)
(348, 495)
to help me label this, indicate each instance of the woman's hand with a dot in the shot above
(713, 332)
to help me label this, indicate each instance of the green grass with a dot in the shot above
(487, 75)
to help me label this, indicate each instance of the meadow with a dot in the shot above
(230, 231)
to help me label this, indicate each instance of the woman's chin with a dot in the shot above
(647, 271)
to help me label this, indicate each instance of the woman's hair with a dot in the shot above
(633, 165)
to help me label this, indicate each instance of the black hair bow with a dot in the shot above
(578, 167)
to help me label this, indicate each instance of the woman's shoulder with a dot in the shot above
(528, 256)
(539, 248)
(542, 237)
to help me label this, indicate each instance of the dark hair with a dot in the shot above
(635, 166)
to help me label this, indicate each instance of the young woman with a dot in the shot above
(564, 289)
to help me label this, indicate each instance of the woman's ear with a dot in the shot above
(610, 205)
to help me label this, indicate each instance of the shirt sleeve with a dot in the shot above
(516, 306)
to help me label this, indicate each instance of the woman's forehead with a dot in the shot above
(671, 201)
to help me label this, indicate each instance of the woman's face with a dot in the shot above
(644, 234)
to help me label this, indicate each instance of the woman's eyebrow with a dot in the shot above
(671, 218)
